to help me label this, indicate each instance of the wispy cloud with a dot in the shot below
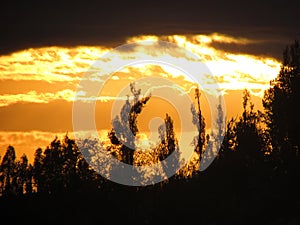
(56, 64)
(52, 64)
(66, 95)
(34, 97)
(235, 69)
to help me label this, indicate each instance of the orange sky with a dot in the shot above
(38, 86)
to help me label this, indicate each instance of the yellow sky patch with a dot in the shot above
(50, 77)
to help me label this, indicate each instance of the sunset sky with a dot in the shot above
(47, 47)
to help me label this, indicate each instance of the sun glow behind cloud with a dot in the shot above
(53, 73)
(57, 64)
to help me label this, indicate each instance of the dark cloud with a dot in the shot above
(67, 23)
(262, 49)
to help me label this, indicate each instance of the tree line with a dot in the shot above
(261, 145)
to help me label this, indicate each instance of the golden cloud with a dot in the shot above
(58, 64)
(51, 64)
(60, 69)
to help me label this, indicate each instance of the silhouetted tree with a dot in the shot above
(38, 171)
(53, 167)
(16, 176)
(249, 138)
(199, 121)
(167, 137)
(8, 165)
(125, 127)
(61, 167)
(242, 156)
(282, 118)
(29, 179)
(280, 102)
(218, 135)
(19, 180)
(168, 145)
(220, 124)
(70, 157)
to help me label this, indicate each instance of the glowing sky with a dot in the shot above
(38, 85)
